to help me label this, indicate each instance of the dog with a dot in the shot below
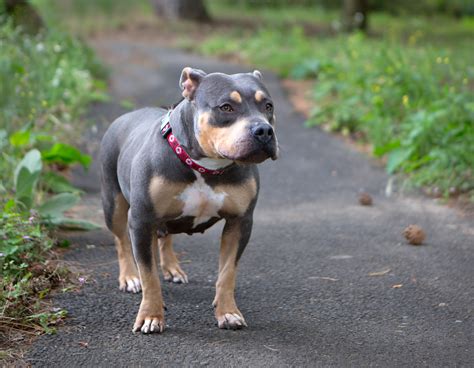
(181, 171)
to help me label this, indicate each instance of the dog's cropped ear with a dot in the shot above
(189, 81)
(257, 74)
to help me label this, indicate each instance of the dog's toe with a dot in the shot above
(149, 325)
(130, 284)
(176, 275)
(231, 321)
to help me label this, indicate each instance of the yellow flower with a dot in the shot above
(44, 103)
(439, 59)
(446, 60)
(405, 100)
(376, 88)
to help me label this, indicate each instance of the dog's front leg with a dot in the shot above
(150, 316)
(235, 237)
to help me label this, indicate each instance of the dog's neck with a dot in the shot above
(182, 124)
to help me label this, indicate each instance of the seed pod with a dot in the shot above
(414, 235)
(365, 199)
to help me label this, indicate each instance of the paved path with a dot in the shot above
(304, 284)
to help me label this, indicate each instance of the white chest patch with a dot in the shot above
(201, 201)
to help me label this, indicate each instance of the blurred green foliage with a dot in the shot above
(46, 81)
(26, 276)
(412, 101)
(399, 7)
(88, 16)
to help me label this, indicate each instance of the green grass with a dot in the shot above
(407, 91)
(273, 16)
(437, 28)
(46, 83)
(85, 17)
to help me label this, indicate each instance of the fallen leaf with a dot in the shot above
(397, 286)
(84, 344)
(270, 348)
(380, 273)
(323, 278)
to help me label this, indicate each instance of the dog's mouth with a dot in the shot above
(254, 156)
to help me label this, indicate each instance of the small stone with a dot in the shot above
(414, 235)
(365, 199)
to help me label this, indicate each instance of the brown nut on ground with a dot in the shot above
(365, 199)
(414, 234)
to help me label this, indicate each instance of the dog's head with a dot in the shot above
(234, 116)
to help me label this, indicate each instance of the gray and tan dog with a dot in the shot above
(181, 171)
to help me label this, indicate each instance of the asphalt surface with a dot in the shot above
(304, 285)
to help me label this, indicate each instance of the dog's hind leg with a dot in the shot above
(169, 262)
(116, 213)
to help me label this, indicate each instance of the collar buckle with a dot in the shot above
(165, 124)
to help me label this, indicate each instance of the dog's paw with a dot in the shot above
(174, 273)
(231, 321)
(130, 283)
(149, 324)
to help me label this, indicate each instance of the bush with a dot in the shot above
(26, 277)
(412, 104)
(46, 79)
(46, 82)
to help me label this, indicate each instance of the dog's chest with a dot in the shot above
(192, 207)
(201, 202)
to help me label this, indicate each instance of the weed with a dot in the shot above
(46, 82)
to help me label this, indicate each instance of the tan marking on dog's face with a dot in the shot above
(236, 97)
(163, 194)
(259, 96)
(219, 142)
(238, 197)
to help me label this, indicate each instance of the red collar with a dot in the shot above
(167, 134)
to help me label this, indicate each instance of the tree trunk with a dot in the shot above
(354, 16)
(24, 15)
(182, 9)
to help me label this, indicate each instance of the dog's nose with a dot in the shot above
(263, 132)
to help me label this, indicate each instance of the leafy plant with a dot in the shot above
(46, 82)
(51, 210)
(65, 154)
(26, 177)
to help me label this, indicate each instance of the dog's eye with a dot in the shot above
(226, 108)
(269, 107)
